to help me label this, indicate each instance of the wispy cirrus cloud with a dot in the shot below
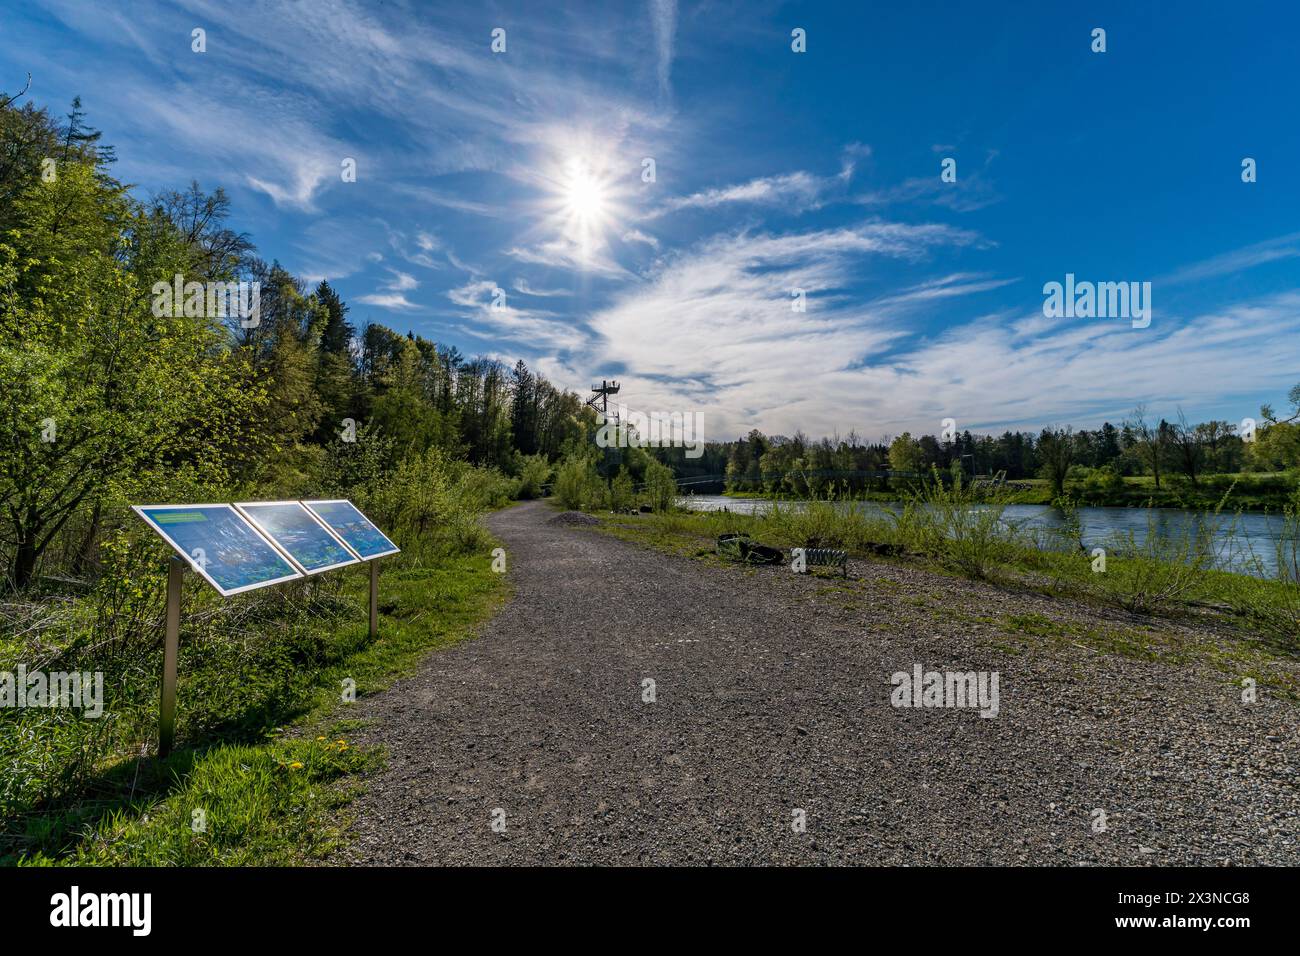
(392, 293)
(1257, 254)
(799, 190)
(944, 287)
(563, 253)
(663, 18)
(526, 288)
(636, 235)
(713, 330)
(394, 301)
(493, 316)
(717, 324)
(972, 190)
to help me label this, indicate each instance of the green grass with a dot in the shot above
(1246, 491)
(249, 757)
(1236, 656)
(1161, 580)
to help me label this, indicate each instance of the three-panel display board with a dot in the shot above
(253, 544)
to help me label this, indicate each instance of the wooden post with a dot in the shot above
(171, 648)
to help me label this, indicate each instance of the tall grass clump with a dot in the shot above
(1276, 607)
(1159, 569)
(949, 522)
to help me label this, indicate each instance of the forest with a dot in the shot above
(111, 400)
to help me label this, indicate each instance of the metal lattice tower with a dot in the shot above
(600, 399)
(600, 395)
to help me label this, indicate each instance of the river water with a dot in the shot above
(1245, 543)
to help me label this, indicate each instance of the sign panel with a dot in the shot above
(299, 534)
(220, 544)
(357, 531)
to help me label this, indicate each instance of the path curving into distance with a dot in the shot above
(772, 694)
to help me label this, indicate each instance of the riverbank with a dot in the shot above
(1160, 580)
(1237, 492)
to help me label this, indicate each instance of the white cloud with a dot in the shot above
(522, 286)
(973, 189)
(564, 253)
(663, 16)
(800, 190)
(401, 282)
(496, 318)
(389, 300)
(1271, 250)
(636, 235)
(715, 325)
(945, 287)
(713, 331)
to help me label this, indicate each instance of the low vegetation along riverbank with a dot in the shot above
(1251, 624)
(1244, 492)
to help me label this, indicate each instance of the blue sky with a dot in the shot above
(774, 170)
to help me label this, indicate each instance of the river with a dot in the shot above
(1246, 543)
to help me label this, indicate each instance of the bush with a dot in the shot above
(534, 472)
(660, 486)
(1105, 480)
(417, 495)
(482, 489)
(577, 485)
(1160, 569)
(1279, 615)
(622, 493)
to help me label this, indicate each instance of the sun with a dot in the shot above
(584, 196)
(585, 205)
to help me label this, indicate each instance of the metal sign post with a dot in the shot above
(374, 599)
(171, 648)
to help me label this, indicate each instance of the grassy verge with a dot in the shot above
(1252, 621)
(1244, 492)
(264, 768)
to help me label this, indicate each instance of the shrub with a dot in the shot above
(1160, 568)
(577, 485)
(534, 472)
(1105, 480)
(622, 493)
(660, 486)
(481, 489)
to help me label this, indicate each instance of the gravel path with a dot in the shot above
(772, 695)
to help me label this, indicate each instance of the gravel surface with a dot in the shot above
(574, 518)
(772, 696)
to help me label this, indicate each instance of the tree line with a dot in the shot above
(1140, 446)
(110, 399)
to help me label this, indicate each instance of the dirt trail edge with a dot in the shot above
(535, 743)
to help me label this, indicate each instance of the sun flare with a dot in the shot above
(585, 205)
(584, 195)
